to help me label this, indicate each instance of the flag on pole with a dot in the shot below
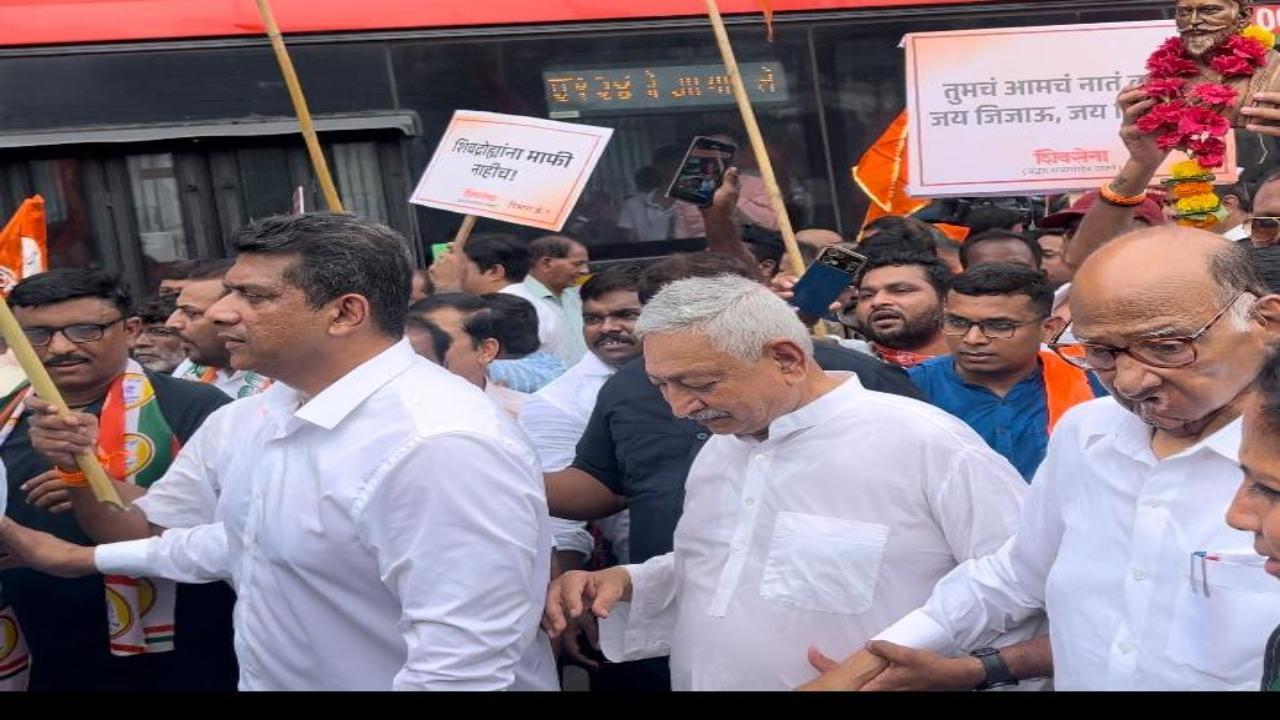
(882, 174)
(766, 6)
(24, 244)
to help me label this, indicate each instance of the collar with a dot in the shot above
(1133, 437)
(537, 288)
(819, 411)
(1035, 378)
(337, 401)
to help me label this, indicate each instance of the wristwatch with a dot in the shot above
(998, 674)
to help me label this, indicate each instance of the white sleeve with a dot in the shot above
(644, 627)
(458, 525)
(554, 431)
(978, 503)
(187, 495)
(991, 595)
(572, 535)
(186, 555)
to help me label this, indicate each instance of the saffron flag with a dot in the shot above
(882, 174)
(24, 244)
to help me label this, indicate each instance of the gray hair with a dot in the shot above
(738, 316)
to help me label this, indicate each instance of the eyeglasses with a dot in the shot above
(995, 329)
(1166, 352)
(1263, 225)
(78, 333)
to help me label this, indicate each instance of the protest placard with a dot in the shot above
(522, 170)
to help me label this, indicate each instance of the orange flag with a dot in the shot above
(882, 174)
(766, 6)
(24, 244)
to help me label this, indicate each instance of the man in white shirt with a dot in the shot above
(805, 522)
(383, 525)
(556, 265)
(497, 262)
(207, 360)
(1122, 537)
(555, 417)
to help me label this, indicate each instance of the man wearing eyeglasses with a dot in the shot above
(1262, 227)
(99, 632)
(157, 347)
(1176, 325)
(997, 379)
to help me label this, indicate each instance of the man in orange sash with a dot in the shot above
(997, 379)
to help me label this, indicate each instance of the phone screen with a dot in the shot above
(702, 171)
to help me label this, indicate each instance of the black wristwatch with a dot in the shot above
(998, 674)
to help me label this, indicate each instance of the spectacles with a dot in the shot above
(1165, 352)
(957, 326)
(1263, 225)
(78, 333)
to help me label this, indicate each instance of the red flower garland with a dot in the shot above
(1193, 121)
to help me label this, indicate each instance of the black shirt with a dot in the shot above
(65, 620)
(639, 450)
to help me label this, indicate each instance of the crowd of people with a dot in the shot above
(1041, 456)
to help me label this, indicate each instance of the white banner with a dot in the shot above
(1016, 111)
(522, 170)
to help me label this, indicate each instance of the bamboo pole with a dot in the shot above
(464, 232)
(99, 483)
(757, 140)
(318, 162)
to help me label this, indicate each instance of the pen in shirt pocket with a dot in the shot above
(1203, 560)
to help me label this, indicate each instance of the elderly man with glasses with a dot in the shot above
(104, 632)
(1133, 490)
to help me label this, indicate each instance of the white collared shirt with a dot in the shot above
(236, 384)
(510, 401)
(390, 533)
(551, 329)
(568, 306)
(1105, 544)
(1239, 232)
(822, 535)
(554, 418)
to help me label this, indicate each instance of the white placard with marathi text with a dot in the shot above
(516, 169)
(1015, 111)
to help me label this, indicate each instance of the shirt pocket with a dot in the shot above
(1219, 616)
(823, 563)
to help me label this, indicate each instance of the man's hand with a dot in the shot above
(575, 590)
(861, 668)
(47, 492)
(447, 271)
(24, 547)
(725, 201)
(907, 669)
(1263, 120)
(1134, 103)
(580, 634)
(58, 436)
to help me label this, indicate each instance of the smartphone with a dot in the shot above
(438, 249)
(828, 276)
(702, 171)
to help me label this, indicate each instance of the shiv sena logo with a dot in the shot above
(9, 637)
(137, 391)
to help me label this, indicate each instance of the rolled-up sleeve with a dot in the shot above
(466, 552)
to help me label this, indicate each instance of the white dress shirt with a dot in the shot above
(1105, 544)
(1239, 232)
(568, 306)
(510, 401)
(551, 329)
(554, 418)
(390, 533)
(823, 534)
(236, 384)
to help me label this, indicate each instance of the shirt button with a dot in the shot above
(702, 436)
(739, 547)
(760, 457)
(1126, 648)
(750, 501)
(1139, 574)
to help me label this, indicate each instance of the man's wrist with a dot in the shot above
(969, 673)
(1134, 178)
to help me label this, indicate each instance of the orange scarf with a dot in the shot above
(1065, 386)
(901, 358)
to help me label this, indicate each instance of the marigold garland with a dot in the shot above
(1191, 118)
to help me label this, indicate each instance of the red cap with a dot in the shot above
(1150, 210)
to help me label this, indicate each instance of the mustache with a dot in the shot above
(883, 313)
(65, 359)
(707, 415)
(615, 337)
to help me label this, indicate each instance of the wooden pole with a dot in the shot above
(318, 162)
(464, 232)
(44, 388)
(757, 140)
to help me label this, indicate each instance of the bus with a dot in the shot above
(155, 128)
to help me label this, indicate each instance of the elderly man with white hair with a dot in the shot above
(818, 515)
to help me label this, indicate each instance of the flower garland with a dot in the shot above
(1190, 117)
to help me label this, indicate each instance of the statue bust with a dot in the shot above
(1204, 26)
